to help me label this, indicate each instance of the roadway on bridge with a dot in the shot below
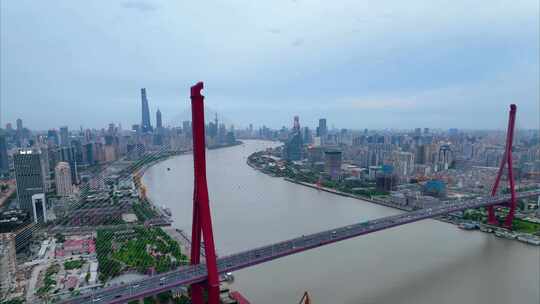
(197, 273)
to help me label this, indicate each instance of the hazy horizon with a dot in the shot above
(376, 66)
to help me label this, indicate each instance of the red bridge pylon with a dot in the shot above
(202, 220)
(506, 160)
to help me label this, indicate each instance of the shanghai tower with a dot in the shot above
(146, 127)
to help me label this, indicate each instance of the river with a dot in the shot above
(421, 263)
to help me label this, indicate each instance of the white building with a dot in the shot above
(62, 176)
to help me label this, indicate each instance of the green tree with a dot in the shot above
(183, 300)
(149, 301)
(60, 237)
(164, 297)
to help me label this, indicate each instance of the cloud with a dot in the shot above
(274, 31)
(375, 104)
(140, 5)
(419, 58)
(298, 42)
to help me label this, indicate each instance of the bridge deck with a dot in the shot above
(197, 273)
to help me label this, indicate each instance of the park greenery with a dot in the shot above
(518, 225)
(48, 281)
(143, 210)
(474, 215)
(144, 249)
(108, 267)
(74, 264)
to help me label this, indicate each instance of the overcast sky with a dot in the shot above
(360, 64)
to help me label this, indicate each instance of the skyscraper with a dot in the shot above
(19, 125)
(45, 168)
(294, 144)
(307, 135)
(67, 154)
(159, 124)
(186, 129)
(52, 137)
(332, 164)
(28, 176)
(296, 123)
(89, 154)
(212, 128)
(403, 163)
(322, 130)
(444, 158)
(4, 167)
(19, 133)
(64, 136)
(62, 176)
(146, 127)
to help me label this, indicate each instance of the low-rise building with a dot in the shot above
(8, 264)
(76, 247)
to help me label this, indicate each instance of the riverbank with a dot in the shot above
(523, 237)
(182, 239)
(331, 190)
(358, 197)
(236, 143)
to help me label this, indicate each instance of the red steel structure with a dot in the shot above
(202, 221)
(506, 160)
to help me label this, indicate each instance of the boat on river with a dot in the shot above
(505, 234)
(529, 239)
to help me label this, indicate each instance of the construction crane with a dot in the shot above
(305, 299)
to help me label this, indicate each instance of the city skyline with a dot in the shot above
(360, 71)
(156, 151)
(92, 194)
(312, 125)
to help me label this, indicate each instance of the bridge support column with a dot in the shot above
(506, 160)
(202, 220)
